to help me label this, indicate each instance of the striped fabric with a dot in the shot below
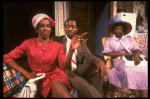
(73, 62)
(13, 81)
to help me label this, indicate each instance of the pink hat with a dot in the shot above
(112, 22)
(37, 18)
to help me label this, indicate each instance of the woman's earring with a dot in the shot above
(37, 31)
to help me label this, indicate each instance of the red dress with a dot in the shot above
(49, 61)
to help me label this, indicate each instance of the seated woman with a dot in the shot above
(121, 44)
(45, 56)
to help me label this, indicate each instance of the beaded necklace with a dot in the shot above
(43, 45)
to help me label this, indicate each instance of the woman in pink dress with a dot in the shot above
(121, 44)
(45, 56)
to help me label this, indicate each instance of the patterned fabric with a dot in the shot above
(13, 81)
(118, 93)
(49, 61)
(143, 43)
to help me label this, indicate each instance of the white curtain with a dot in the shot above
(61, 14)
(140, 8)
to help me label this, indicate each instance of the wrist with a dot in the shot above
(123, 54)
(136, 55)
(70, 49)
(101, 61)
(25, 72)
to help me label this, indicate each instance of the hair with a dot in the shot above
(73, 20)
(44, 19)
(124, 27)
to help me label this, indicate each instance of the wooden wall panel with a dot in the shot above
(127, 5)
(82, 11)
(120, 4)
(88, 13)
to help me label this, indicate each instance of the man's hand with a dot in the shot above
(101, 66)
(76, 41)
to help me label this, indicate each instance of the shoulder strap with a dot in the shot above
(126, 48)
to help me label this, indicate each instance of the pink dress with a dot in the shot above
(49, 61)
(124, 76)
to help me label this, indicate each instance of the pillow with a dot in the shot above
(13, 81)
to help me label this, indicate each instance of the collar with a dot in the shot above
(68, 44)
(114, 37)
(68, 39)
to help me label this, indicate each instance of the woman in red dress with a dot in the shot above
(45, 56)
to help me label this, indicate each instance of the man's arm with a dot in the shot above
(89, 57)
(93, 60)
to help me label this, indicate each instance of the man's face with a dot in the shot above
(71, 28)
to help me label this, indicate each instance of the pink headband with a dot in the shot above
(37, 18)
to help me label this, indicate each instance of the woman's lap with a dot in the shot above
(49, 80)
(128, 77)
(59, 89)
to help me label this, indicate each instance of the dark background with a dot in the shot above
(17, 21)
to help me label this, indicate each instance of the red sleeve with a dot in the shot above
(16, 53)
(61, 57)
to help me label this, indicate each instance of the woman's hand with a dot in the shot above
(136, 59)
(127, 54)
(76, 41)
(29, 75)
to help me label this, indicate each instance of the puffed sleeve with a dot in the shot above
(134, 45)
(107, 47)
(61, 56)
(16, 53)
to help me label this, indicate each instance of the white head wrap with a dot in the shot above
(37, 18)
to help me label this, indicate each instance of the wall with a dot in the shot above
(127, 5)
(88, 13)
(101, 31)
(82, 12)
